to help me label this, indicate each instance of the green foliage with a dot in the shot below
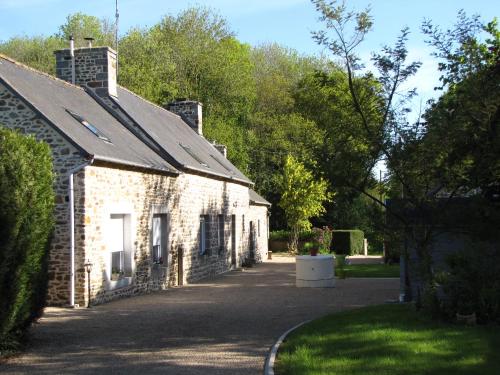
(284, 235)
(323, 239)
(472, 283)
(80, 26)
(372, 270)
(388, 339)
(348, 242)
(38, 51)
(26, 222)
(302, 197)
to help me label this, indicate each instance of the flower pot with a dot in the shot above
(313, 251)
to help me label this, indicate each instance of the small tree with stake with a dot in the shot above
(302, 198)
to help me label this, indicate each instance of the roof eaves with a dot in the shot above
(44, 117)
(220, 175)
(108, 159)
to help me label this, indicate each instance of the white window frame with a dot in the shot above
(127, 210)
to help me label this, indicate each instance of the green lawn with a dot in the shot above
(389, 339)
(372, 270)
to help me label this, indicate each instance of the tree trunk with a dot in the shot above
(293, 242)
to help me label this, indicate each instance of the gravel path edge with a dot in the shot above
(271, 357)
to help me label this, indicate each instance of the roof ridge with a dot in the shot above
(148, 101)
(24, 66)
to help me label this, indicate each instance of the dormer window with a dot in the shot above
(89, 126)
(193, 155)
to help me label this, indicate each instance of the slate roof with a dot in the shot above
(256, 199)
(54, 98)
(190, 150)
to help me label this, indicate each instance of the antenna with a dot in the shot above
(117, 16)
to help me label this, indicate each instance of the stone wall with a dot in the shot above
(15, 114)
(258, 215)
(94, 68)
(183, 199)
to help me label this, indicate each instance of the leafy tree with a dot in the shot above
(302, 198)
(26, 222)
(80, 26)
(36, 52)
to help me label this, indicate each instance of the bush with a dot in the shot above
(26, 224)
(472, 283)
(348, 242)
(284, 235)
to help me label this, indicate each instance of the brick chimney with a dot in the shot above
(95, 68)
(191, 113)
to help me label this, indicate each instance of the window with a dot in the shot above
(193, 155)
(120, 251)
(258, 228)
(204, 230)
(159, 239)
(220, 232)
(243, 223)
(90, 127)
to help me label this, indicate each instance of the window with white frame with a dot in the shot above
(159, 239)
(120, 249)
(220, 232)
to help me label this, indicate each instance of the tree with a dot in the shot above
(302, 198)
(38, 51)
(418, 159)
(26, 222)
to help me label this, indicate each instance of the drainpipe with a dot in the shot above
(72, 54)
(72, 173)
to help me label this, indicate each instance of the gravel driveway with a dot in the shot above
(224, 326)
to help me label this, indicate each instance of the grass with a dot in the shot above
(389, 339)
(371, 270)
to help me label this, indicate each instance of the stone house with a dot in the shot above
(141, 195)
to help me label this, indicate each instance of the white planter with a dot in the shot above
(314, 271)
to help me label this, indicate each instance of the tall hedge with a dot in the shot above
(348, 242)
(26, 225)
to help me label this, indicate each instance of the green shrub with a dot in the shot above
(284, 235)
(348, 242)
(472, 283)
(26, 224)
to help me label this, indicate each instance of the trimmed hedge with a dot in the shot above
(26, 225)
(284, 235)
(348, 242)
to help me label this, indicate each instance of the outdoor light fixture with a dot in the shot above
(88, 267)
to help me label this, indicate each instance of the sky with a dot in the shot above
(288, 22)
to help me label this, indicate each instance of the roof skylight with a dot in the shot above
(193, 155)
(89, 126)
(222, 164)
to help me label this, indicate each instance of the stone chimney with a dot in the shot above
(221, 148)
(95, 68)
(191, 113)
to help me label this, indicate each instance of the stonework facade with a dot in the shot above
(16, 114)
(140, 229)
(183, 200)
(94, 68)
